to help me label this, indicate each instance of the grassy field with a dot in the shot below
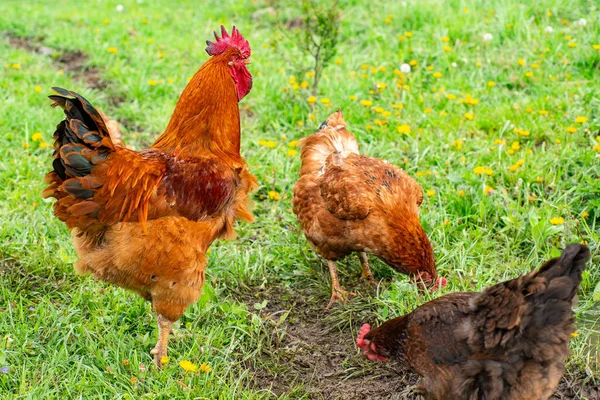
(501, 130)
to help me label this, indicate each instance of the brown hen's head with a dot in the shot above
(235, 50)
(409, 251)
(385, 342)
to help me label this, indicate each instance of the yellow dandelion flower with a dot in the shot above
(188, 366)
(291, 153)
(150, 40)
(488, 171)
(404, 128)
(366, 103)
(44, 145)
(412, 63)
(513, 168)
(596, 46)
(462, 160)
(460, 192)
(557, 220)
(152, 82)
(479, 170)
(515, 145)
(338, 61)
(478, 64)
(378, 110)
(437, 75)
(585, 214)
(273, 195)
(571, 129)
(353, 98)
(311, 99)
(310, 74)
(408, 34)
(529, 74)
(451, 96)
(581, 120)
(105, 21)
(447, 48)
(469, 116)
(37, 89)
(293, 143)
(572, 44)
(597, 147)
(325, 100)
(311, 117)
(164, 360)
(292, 80)
(521, 62)
(487, 190)
(499, 141)
(431, 193)
(491, 83)
(520, 162)
(204, 367)
(445, 39)
(267, 143)
(398, 106)
(125, 363)
(557, 141)
(144, 20)
(466, 10)
(574, 334)
(543, 112)
(36, 136)
(428, 111)
(112, 50)
(304, 85)
(133, 380)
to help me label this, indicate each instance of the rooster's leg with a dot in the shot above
(338, 294)
(164, 329)
(366, 274)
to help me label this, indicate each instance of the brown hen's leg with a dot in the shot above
(164, 330)
(366, 274)
(338, 293)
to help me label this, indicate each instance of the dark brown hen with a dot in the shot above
(508, 342)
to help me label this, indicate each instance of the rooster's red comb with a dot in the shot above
(225, 41)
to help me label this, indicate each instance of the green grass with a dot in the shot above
(64, 336)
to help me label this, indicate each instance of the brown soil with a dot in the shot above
(308, 356)
(75, 62)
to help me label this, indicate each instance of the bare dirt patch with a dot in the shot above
(75, 62)
(309, 354)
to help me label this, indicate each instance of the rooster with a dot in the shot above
(507, 342)
(143, 220)
(347, 202)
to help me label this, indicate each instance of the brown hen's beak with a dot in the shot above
(424, 281)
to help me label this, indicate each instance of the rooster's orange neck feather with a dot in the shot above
(206, 117)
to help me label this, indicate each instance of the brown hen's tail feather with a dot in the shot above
(332, 137)
(81, 141)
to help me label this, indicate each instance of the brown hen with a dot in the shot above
(347, 202)
(507, 342)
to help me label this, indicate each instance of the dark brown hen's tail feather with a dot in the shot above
(81, 141)
(567, 269)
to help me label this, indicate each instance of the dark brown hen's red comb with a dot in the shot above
(225, 41)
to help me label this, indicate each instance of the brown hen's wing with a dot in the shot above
(438, 331)
(352, 186)
(97, 183)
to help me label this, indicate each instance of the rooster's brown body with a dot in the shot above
(143, 220)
